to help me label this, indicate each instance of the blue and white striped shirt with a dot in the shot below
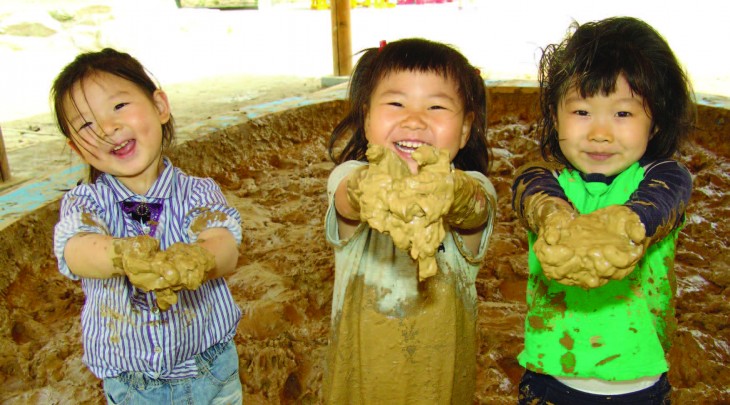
(122, 328)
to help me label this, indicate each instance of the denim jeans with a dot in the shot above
(537, 389)
(217, 382)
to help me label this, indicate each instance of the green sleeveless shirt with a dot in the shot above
(619, 331)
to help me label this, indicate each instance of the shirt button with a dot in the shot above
(158, 349)
(155, 309)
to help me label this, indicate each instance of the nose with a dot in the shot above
(600, 131)
(109, 125)
(413, 120)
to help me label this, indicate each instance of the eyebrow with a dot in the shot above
(575, 98)
(435, 95)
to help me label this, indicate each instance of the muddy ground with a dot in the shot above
(274, 170)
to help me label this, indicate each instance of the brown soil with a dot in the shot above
(274, 170)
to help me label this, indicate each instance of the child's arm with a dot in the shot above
(90, 255)
(222, 245)
(662, 197)
(347, 202)
(659, 201)
(472, 209)
(537, 195)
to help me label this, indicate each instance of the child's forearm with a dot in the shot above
(90, 255)
(531, 179)
(342, 203)
(662, 197)
(472, 205)
(221, 243)
(347, 201)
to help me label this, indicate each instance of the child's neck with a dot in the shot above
(141, 183)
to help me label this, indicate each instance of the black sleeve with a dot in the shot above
(533, 178)
(662, 197)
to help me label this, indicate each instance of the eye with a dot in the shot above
(437, 107)
(623, 114)
(582, 113)
(119, 106)
(83, 126)
(395, 104)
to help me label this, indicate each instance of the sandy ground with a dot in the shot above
(215, 62)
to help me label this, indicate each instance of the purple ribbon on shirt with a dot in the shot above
(147, 213)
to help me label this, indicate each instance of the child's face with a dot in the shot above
(117, 129)
(410, 109)
(603, 134)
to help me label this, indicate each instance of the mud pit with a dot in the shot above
(274, 170)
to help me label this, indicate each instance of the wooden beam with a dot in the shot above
(341, 37)
(4, 166)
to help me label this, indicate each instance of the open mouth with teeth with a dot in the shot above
(123, 148)
(408, 147)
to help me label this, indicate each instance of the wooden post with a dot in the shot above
(341, 37)
(4, 166)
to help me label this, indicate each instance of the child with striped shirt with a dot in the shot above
(149, 243)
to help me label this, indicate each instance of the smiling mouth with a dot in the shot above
(599, 156)
(408, 146)
(123, 147)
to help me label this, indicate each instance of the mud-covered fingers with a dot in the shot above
(609, 263)
(551, 234)
(636, 231)
(192, 262)
(560, 271)
(552, 254)
(144, 275)
(139, 246)
(623, 256)
(582, 279)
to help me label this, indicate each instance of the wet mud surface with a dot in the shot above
(274, 170)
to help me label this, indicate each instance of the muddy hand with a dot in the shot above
(185, 265)
(471, 206)
(594, 248)
(626, 244)
(134, 256)
(427, 197)
(376, 184)
(548, 216)
(354, 192)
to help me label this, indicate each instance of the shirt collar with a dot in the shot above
(161, 188)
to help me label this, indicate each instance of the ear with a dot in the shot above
(366, 121)
(159, 98)
(75, 148)
(654, 131)
(554, 116)
(466, 129)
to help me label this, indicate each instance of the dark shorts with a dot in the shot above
(537, 389)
